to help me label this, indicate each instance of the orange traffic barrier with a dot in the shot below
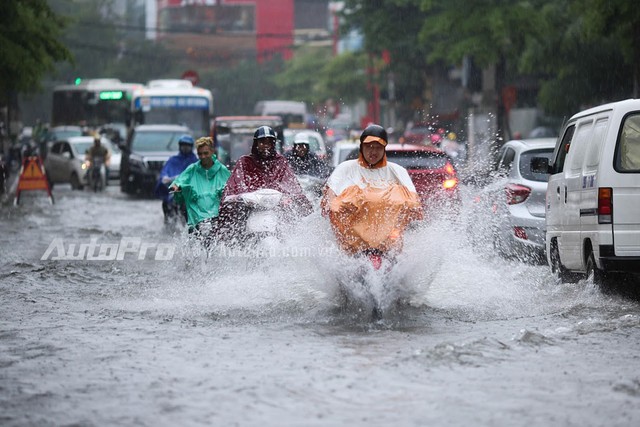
(32, 177)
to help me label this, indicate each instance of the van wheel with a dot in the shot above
(594, 274)
(564, 275)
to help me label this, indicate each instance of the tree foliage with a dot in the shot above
(393, 26)
(301, 77)
(30, 35)
(237, 89)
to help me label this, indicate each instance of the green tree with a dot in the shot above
(344, 78)
(618, 21)
(492, 32)
(30, 34)
(237, 89)
(392, 26)
(576, 67)
(301, 77)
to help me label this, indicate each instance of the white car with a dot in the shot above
(517, 199)
(341, 151)
(316, 142)
(65, 161)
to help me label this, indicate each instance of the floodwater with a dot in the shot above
(172, 336)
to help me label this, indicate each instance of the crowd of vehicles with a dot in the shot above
(568, 221)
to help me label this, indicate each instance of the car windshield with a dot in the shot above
(344, 153)
(525, 164)
(65, 134)
(417, 159)
(156, 141)
(82, 147)
(418, 130)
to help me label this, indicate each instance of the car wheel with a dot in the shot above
(594, 274)
(559, 270)
(75, 182)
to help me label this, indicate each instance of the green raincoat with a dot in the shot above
(201, 190)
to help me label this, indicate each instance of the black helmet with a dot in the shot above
(374, 133)
(264, 132)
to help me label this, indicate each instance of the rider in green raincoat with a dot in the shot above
(200, 185)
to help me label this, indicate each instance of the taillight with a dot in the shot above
(605, 205)
(448, 168)
(451, 180)
(450, 183)
(516, 193)
(520, 233)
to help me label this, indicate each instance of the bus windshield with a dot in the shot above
(92, 103)
(177, 105)
(197, 120)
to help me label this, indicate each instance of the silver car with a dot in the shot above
(65, 162)
(518, 199)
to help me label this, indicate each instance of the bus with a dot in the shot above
(172, 101)
(92, 103)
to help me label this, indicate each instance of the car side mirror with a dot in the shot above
(66, 155)
(540, 165)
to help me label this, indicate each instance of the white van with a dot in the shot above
(593, 194)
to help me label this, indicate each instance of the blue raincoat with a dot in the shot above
(172, 168)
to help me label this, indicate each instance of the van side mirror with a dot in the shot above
(540, 165)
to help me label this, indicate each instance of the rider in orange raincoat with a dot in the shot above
(370, 201)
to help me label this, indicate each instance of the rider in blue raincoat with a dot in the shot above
(172, 168)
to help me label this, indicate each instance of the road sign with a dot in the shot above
(192, 76)
(32, 177)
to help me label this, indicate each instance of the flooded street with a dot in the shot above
(170, 336)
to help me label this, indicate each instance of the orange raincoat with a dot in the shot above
(370, 207)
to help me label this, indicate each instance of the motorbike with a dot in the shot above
(371, 232)
(97, 173)
(262, 220)
(256, 217)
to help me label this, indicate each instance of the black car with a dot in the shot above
(145, 153)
